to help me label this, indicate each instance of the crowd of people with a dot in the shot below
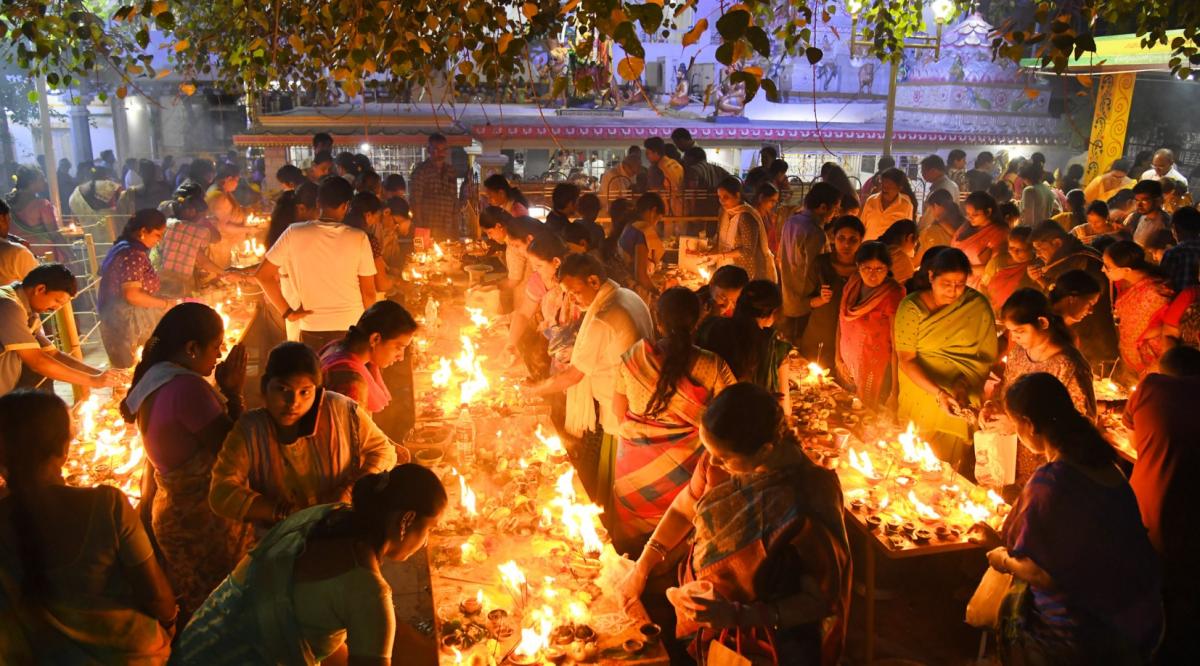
(988, 305)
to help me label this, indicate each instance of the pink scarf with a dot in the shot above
(334, 358)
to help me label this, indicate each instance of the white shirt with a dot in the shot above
(1151, 174)
(323, 261)
(15, 261)
(877, 218)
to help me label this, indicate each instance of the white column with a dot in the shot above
(81, 133)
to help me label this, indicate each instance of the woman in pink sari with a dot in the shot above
(865, 319)
(983, 236)
(662, 389)
(1141, 294)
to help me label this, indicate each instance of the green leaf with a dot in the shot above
(759, 41)
(771, 91)
(813, 54)
(733, 24)
(725, 54)
(32, 96)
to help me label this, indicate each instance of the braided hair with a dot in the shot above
(678, 314)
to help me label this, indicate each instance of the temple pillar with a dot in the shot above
(81, 133)
(1114, 97)
(120, 125)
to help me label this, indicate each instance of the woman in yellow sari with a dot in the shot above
(662, 389)
(946, 343)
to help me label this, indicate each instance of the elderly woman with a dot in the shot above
(767, 534)
(307, 446)
(313, 590)
(129, 303)
(32, 216)
(1086, 586)
(866, 315)
(946, 344)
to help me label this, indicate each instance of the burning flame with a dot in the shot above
(552, 443)
(469, 364)
(438, 252)
(579, 519)
(441, 376)
(458, 659)
(923, 509)
(862, 463)
(467, 496)
(704, 274)
(816, 374)
(917, 452)
(477, 318)
(537, 638)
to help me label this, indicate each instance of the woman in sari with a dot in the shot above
(1008, 271)
(352, 366)
(661, 391)
(552, 316)
(1040, 341)
(946, 344)
(79, 583)
(1141, 295)
(741, 234)
(33, 217)
(983, 236)
(183, 420)
(903, 243)
(1086, 585)
(1096, 223)
(749, 343)
(128, 304)
(867, 313)
(307, 446)
(768, 535)
(946, 220)
(831, 271)
(312, 590)
(640, 246)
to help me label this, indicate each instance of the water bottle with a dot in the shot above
(464, 438)
(431, 313)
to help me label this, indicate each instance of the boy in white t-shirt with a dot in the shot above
(330, 266)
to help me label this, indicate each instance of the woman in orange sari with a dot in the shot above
(865, 320)
(662, 389)
(983, 236)
(1009, 271)
(1141, 294)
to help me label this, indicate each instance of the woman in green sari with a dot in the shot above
(312, 588)
(946, 343)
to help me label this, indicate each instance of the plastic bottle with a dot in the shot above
(464, 437)
(431, 313)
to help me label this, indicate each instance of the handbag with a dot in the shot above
(760, 650)
(983, 610)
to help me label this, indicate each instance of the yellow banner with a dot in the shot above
(1114, 95)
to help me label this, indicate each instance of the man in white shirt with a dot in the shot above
(15, 259)
(330, 266)
(1162, 165)
(933, 172)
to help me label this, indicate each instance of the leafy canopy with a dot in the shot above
(346, 46)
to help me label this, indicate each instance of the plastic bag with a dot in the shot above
(983, 610)
(995, 458)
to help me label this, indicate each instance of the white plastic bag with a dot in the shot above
(995, 458)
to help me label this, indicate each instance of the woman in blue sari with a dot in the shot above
(1086, 583)
(312, 588)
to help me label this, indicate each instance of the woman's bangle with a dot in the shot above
(657, 547)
